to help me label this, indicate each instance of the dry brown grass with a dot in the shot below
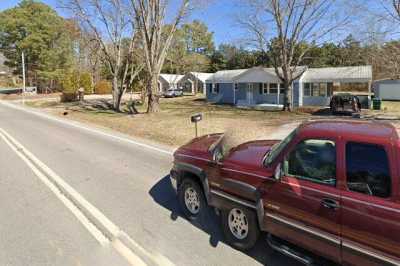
(172, 124)
(391, 106)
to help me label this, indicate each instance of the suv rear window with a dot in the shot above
(367, 169)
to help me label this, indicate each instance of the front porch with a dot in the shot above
(258, 94)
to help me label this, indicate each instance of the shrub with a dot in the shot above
(103, 87)
(85, 81)
(70, 82)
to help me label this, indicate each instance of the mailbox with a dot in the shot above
(196, 118)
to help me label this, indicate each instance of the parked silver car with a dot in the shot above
(173, 92)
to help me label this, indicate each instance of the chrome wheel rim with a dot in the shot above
(238, 223)
(192, 200)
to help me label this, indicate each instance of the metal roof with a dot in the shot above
(338, 74)
(225, 76)
(327, 74)
(202, 76)
(229, 76)
(171, 78)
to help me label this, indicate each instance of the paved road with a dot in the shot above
(128, 183)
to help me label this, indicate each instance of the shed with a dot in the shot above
(388, 89)
(169, 81)
(195, 82)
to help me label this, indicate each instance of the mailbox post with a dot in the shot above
(195, 119)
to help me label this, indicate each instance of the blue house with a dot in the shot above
(261, 86)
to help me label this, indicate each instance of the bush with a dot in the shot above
(73, 80)
(70, 82)
(103, 87)
(85, 81)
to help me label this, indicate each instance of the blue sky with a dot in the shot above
(218, 16)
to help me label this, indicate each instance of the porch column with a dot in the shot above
(369, 94)
(191, 85)
(301, 91)
(279, 91)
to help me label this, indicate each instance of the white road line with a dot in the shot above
(78, 214)
(76, 125)
(103, 229)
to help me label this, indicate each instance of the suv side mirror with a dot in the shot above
(278, 172)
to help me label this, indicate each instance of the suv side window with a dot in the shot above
(313, 160)
(367, 169)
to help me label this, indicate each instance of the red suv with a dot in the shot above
(330, 189)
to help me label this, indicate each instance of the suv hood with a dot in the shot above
(250, 154)
(203, 144)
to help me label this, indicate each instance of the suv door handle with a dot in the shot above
(330, 204)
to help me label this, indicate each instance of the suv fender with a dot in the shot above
(222, 200)
(183, 168)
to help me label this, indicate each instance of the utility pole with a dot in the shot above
(23, 77)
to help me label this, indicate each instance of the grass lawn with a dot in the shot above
(172, 124)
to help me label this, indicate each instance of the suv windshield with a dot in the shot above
(278, 147)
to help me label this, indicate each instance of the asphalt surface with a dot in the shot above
(127, 182)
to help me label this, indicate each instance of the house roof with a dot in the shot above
(202, 76)
(229, 76)
(327, 74)
(171, 78)
(225, 76)
(338, 74)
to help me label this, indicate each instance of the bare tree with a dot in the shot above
(109, 23)
(393, 8)
(283, 26)
(156, 40)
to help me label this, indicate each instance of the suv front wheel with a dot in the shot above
(191, 199)
(240, 227)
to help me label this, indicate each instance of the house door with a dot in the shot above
(249, 93)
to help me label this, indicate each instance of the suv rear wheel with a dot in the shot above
(240, 227)
(191, 199)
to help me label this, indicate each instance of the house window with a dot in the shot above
(215, 88)
(236, 86)
(273, 88)
(318, 89)
(265, 88)
(282, 89)
(307, 89)
(323, 88)
(329, 91)
(315, 89)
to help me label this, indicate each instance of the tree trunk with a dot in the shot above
(287, 103)
(117, 95)
(153, 98)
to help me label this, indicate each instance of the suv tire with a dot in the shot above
(191, 199)
(240, 227)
